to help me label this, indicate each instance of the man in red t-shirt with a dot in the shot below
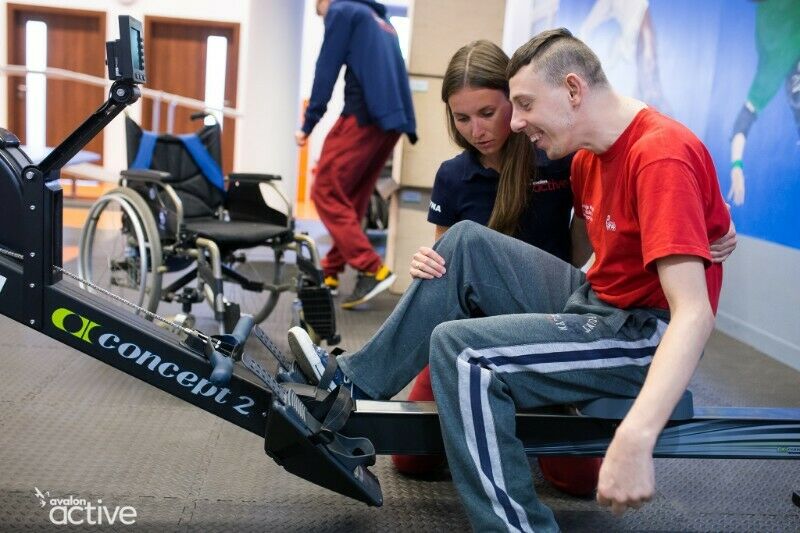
(647, 197)
(647, 202)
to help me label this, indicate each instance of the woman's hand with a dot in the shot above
(427, 264)
(722, 248)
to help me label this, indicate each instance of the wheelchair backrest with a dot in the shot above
(199, 196)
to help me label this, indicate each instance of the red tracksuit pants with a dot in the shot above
(348, 168)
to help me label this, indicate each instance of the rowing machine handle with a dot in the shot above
(222, 369)
(243, 328)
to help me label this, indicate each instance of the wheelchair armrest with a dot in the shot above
(146, 175)
(251, 177)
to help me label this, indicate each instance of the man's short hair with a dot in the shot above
(556, 53)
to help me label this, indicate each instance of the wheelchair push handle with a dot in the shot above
(201, 115)
(222, 365)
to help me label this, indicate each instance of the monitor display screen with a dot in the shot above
(135, 47)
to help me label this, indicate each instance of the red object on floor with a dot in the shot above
(576, 476)
(419, 464)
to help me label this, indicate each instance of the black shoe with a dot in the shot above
(368, 286)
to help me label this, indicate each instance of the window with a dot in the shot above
(216, 64)
(36, 84)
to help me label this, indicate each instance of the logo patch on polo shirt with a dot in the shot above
(547, 185)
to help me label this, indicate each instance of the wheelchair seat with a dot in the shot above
(236, 234)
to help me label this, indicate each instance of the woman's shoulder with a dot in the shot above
(457, 163)
(553, 169)
(454, 168)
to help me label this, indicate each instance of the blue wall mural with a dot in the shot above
(729, 70)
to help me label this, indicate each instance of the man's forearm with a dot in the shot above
(674, 363)
(581, 250)
(675, 360)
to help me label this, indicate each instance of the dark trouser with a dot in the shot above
(349, 166)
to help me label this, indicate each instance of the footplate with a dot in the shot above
(339, 464)
(314, 450)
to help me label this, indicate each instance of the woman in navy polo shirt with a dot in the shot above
(498, 180)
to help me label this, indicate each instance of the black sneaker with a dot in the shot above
(369, 285)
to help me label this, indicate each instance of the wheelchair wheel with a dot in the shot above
(120, 248)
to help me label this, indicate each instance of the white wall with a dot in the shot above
(271, 81)
(760, 302)
(269, 44)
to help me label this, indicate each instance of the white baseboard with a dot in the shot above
(763, 341)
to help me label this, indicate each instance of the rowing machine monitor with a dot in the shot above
(125, 56)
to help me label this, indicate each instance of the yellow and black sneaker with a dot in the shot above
(369, 285)
(332, 282)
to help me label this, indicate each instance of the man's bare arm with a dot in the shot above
(626, 477)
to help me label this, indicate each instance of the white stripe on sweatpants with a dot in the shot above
(463, 365)
(465, 403)
(571, 346)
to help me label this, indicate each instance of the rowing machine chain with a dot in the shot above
(189, 331)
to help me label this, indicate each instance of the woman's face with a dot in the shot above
(482, 117)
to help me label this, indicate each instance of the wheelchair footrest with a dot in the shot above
(329, 460)
(319, 312)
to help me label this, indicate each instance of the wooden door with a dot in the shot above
(175, 51)
(76, 42)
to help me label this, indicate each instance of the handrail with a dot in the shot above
(63, 74)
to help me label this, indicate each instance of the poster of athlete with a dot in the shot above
(728, 69)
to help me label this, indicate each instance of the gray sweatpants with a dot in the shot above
(546, 339)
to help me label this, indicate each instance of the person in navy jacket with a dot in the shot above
(377, 110)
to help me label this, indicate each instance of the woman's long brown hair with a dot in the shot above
(482, 65)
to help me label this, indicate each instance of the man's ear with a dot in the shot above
(576, 87)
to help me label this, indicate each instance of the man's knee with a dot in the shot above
(461, 234)
(323, 193)
(446, 345)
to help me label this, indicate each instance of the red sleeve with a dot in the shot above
(670, 211)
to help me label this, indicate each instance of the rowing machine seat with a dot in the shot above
(617, 408)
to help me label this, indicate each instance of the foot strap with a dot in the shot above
(272, 348)
(330, 369)
(334, 411)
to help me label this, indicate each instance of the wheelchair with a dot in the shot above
(171, 222)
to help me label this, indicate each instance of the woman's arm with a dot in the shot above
(426, 263)
(582, 251)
